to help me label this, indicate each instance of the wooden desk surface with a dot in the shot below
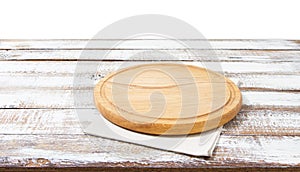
(39, 126)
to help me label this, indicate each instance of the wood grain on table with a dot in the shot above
(39, 125)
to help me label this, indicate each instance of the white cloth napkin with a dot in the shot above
(201, 144)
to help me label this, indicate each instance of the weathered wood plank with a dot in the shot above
(149, 44)
(65, 121)
(264, 122)
(68, 67)
(15, 80)
(59, 75)
(82, 150)
(37, 98)
(43, 69)
(40, 121)
(202, 55)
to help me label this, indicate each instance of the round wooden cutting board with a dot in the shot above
(167, 99)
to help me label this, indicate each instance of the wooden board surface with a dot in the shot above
(38, 131)
(189, 98)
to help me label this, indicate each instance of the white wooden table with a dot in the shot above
(39, 127)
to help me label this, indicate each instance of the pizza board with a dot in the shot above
(167, 99)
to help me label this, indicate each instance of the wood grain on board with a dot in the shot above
(39, 125)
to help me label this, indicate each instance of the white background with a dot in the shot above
(233, 19)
